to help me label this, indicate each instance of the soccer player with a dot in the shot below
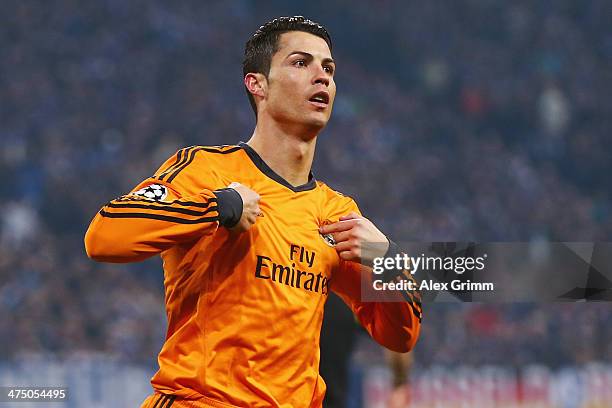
(252, 244)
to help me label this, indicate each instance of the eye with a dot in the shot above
(299, 63)
(329, 69)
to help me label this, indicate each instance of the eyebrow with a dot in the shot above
(325, 60)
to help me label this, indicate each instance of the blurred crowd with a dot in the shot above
(467, 120)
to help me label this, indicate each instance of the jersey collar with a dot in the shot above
(265, 169)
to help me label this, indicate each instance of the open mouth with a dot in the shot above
(320, 99)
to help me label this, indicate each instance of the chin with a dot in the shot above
(317, 121)
(315, 125)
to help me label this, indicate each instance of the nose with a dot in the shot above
(321, 77)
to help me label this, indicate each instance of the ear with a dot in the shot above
(256, 83)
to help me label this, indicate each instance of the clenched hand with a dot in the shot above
(351, 233)
(250, 207)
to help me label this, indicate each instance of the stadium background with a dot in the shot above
(454, 120)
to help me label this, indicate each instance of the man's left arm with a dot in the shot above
(394, 323)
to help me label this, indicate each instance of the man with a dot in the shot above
(248, 267)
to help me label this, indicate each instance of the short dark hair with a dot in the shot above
(260, 48)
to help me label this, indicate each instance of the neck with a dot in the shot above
(288, 152)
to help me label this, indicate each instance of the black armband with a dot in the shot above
(390, 274)
(229, 206)
(392, 252)
(413, 297)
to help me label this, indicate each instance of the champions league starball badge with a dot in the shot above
(155, 192)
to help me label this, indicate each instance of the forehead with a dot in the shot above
(302, 41)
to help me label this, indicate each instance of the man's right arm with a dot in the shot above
(138, 225)
(159, 214)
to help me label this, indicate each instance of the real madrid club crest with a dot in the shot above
(329, 239)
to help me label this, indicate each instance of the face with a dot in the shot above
(300, 87)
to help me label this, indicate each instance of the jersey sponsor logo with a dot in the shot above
(155, 192)
(291, 275)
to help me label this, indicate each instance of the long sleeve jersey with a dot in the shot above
(244, 309)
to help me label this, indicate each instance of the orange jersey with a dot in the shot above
(244, 309)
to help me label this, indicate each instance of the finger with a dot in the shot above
(337, 226)
(252, 207)
(257, 212)
(341, 236)
(350, 216)
(343, 246)
(348, 256)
